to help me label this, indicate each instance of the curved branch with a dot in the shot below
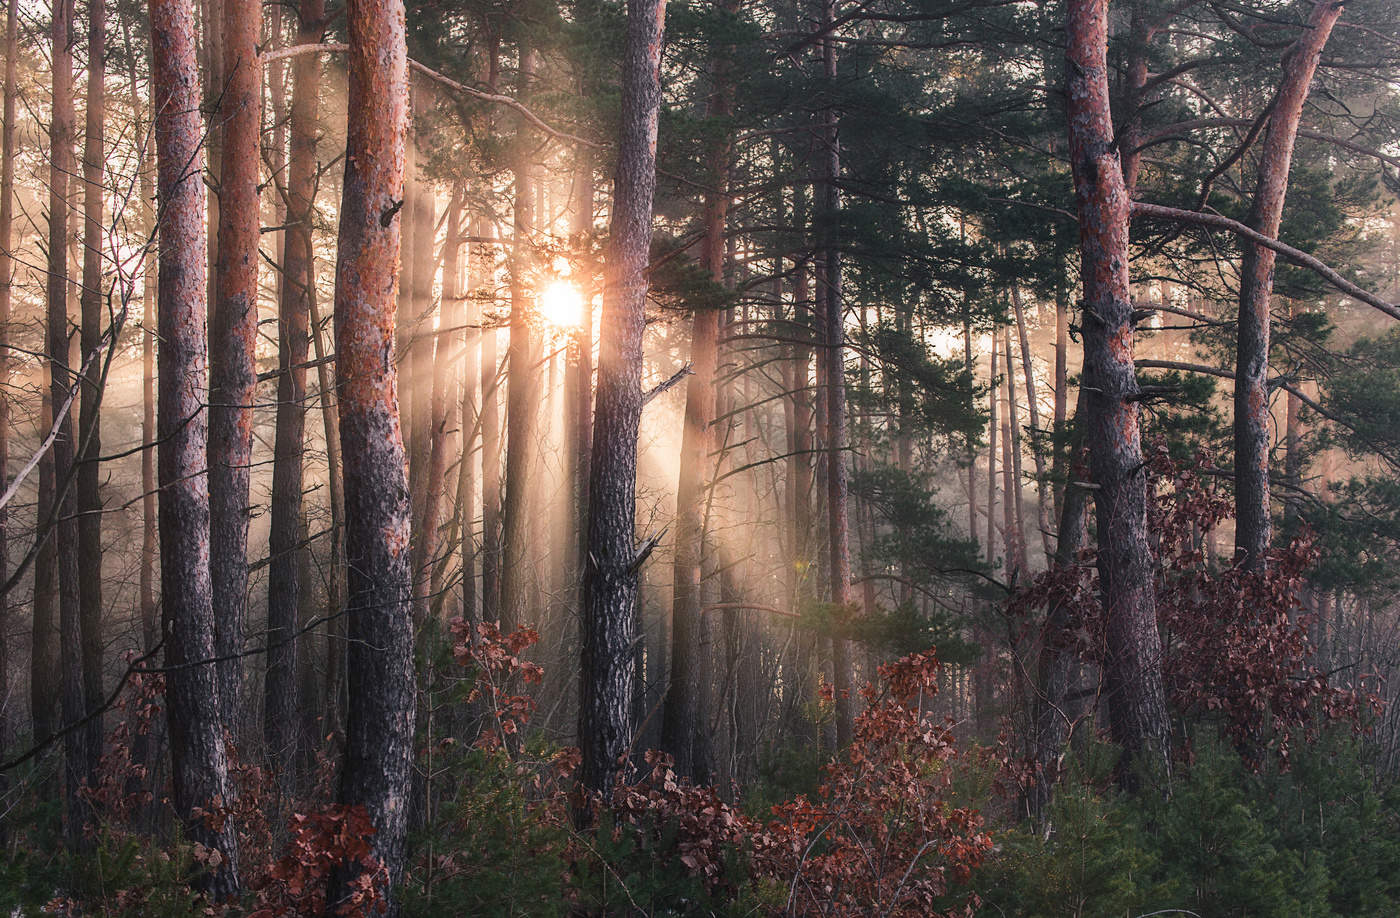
(1297, 257)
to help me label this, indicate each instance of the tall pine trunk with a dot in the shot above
(7, 273)
(284, 585)
(610, 583)
(232, 367)
(523, 395)
(89, 419)
(199, 761)
(684, 732)
(82, 745)
(1137, 699)
(1253, 523)
(380, 712)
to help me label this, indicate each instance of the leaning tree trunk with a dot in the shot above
(232, 368)
(89, 494)
(1133, 669)
(284, 584)
(611, 573)
(1253, 525)
(379, 723)
(198, 757)
(83, 745)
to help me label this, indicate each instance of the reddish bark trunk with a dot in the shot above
(232, 361)
(380, 712)
(1253, 525)
(611, 575)
(199, 762)
(1137, 700)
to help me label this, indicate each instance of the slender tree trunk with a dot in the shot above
(1037, 433)
(444, 363)
(198, 756)
(838, 518)
(380, 714)
(611, 577)
(7, 276)
(232, 367)
(89, 421)
(522, 408)
(1253, 525)
(1012, 437)
(1137, 699)
(992, 398)
(45, 660)
(284, 584)
(1057, 469)
(683, 730)
(83, 745)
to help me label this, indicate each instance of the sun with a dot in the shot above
(561, 305)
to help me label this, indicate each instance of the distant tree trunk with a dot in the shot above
(1137, 699)
(523, 395)
(89, 419)
(611, 575)
(838, 518)
(444, 364)
(1057, 468)
(992, 398)
(232, 362)
(1037, 433)
(150, 547)
(578, 407)
(84, 745)
(1253, 525)
(198, 757)
(684, 732)
(417, 363)
(380, 714)
(284, 583)
(45, 661)
(1011, 436)
(490, 414)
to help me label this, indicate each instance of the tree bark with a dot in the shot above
(7, 274)
(1011, 438)
(89, 496)
(684, 733)
(83, 745)
(1253, 524)
(1137, 699)
(834, 318)
(284, 584)
(444, 360)
(379, 727)
(523, 395)
(199, 761)
(1037, 433)
(232, 366)
(611, 574)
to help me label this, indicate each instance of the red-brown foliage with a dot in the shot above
(1236, 642)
